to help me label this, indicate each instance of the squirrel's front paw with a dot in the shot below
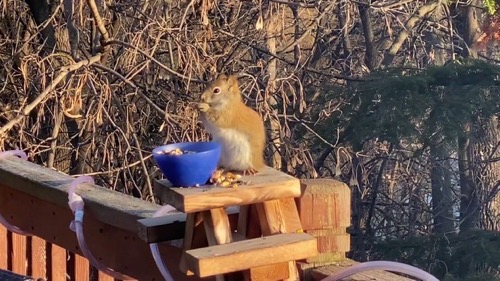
(203, 107)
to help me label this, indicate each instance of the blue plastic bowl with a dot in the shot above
(190, 169)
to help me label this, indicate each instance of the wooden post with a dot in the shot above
(82, 268)
(279, 216)
(58, 263)
(325, 212)
(38, 258)
(217, 229)
(3, 247)
(19, 257)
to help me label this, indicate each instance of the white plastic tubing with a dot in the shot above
(382, 265)
(154, 247)
(76, 204)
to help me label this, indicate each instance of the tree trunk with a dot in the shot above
(274, 123)
(442, 203)
(370, 56)
(442, 200)
(485, 149)
(370, 233)
(40, 10)
(469, 203)
(358, 243)
(346, 41)
(476, 138)
(466, 21)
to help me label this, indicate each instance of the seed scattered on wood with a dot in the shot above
(228, 179)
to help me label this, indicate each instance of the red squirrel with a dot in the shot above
(238, 128)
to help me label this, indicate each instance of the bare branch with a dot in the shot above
(74, 39)
(61, 75)
(171, 71)
(98, 20)
(409, 25)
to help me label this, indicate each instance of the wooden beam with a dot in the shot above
(250, 253)
(108, 206)
(58, 257)
(38, 258)
(267, 185)
(82, 268)
(170, 227)
(194, 237)
(19, 259)
(217, 229)
(159, 229)
(4, 247)
(279, 216)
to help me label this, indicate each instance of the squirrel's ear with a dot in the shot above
(232, 79)
(222, 76)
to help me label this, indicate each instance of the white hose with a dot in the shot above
(155, 251)
(382, 265)
(21, 154)
(76, 204)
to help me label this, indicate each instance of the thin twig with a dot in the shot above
(133, 85)
(141, 158)
(58, 116)
(116, 170)
(313, 26)
(171, 71)
(62, 73)
(98, 20)
(296, 4)
(74, 39)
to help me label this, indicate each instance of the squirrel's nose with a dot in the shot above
(203, 97)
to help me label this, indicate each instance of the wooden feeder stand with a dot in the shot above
(267, 241)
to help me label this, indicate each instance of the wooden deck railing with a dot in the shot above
(35, 257)
(119, 227)
(35, 199)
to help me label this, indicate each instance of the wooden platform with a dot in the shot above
(255, 252)
(375, 275)
(267, 185)
(270, 194)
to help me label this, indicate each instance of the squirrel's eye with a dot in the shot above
(216, 90)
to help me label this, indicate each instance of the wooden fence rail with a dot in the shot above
(37, 258)
(35, 199)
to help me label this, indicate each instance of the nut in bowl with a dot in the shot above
(187, 164)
